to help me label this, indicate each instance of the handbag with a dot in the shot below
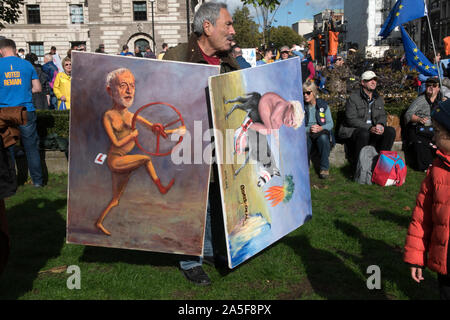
(390, 169)
(426, 131)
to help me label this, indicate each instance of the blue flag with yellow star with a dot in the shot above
(402, 12)
(415, 58)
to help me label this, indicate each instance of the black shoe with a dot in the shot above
(197, 276)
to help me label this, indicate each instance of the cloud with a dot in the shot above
(234, 4)
(325, 4)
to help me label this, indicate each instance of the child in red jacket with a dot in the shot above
(427, 241)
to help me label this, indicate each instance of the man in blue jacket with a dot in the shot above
(51, 70)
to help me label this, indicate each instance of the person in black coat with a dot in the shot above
(41, 99)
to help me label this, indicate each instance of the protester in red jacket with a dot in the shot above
(428, 233)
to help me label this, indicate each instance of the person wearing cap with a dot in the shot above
(427, 240)
(337, 77)
(419, 132)
(285, 53)
(365, 120)
(307, 67)
(100, 49)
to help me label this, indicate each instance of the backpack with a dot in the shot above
(366, 162)
(390, 169)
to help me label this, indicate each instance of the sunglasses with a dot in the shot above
(285, 52)
(307, 92)
(434, 85)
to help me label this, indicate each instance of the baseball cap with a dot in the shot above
(441, 114)
(368, 75)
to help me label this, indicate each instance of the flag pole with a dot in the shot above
(434, 47)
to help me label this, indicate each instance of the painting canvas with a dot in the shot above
(133, 181)
(264, 175)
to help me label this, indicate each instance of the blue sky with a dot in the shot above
(300, 9)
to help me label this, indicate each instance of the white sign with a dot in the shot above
(250, 56)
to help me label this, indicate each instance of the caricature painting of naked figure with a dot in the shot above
(263, 164)
(130, 120)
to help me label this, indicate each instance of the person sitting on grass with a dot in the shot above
(318, 125)
(428, 233)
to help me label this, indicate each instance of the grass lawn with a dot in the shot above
(353, 227)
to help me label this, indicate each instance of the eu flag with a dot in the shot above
(402, 12)
(415, 58)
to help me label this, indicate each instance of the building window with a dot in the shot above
(76, 13)
(38, 49)
(34, 14)
(140, 10)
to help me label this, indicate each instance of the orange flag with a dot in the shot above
(311, 48)
(447, 45)
(333, 45)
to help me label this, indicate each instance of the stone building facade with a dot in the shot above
(62, 23)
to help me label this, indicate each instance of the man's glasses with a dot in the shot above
(434, 85)
(339, 59)
(285, 52)
(307, 92)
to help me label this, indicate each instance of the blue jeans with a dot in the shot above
(30, 141)
(207, 245)
(323, 146)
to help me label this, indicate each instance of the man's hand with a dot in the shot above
(378, 129)
(416, 274)
(134, 133)
(424, 121)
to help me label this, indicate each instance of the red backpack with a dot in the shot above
(390, 169)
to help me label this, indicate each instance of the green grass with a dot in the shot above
(353, 226)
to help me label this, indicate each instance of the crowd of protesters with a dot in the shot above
(364, 122)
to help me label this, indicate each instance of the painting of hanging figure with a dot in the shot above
(263, 164)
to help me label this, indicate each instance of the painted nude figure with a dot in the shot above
(265, 115)
(120, 85)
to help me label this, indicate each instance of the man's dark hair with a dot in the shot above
(31, 57)
(53, 48)
(7, 43)
(124, 47)
(165, 45)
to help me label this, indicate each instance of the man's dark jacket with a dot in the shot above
(357, 111)
(190, 52)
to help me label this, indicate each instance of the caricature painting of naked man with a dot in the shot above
(263, 170)
(129, 117)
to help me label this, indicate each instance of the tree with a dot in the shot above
(285, 36)
(9, 11)
(269, 4)
(247, 35)
(265, 8)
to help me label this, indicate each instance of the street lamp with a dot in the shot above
(153, 25)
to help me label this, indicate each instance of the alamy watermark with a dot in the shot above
(74, 281)
(374, 280)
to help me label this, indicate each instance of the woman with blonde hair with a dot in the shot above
(61, 87)
(318, 125)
